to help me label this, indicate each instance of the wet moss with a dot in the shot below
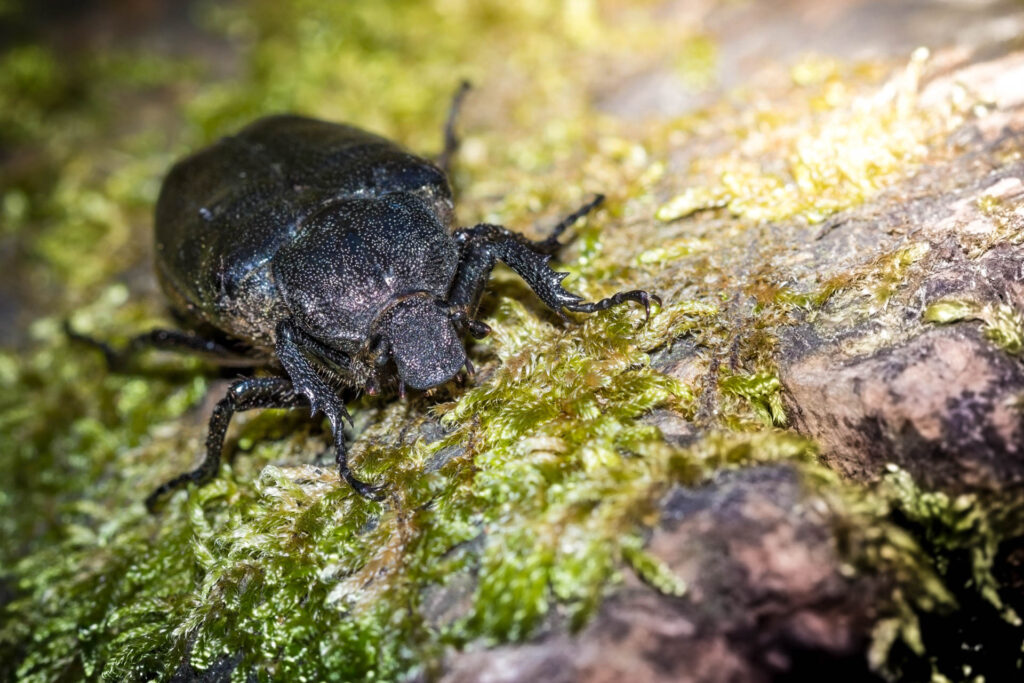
(537, 480)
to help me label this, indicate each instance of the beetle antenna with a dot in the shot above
(401, 389)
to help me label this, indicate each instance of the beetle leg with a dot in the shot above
(638, 295)
(451, 140)
(484, 245)
(246, 394)
(291, 346)
(551, 245)
(118, 360)
(371, 491)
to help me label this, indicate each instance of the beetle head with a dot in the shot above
(418, 332)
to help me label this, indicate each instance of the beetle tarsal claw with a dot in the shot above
(645, 299)
(647, 304)
(374, 492)
(330, 407)
(478, 329)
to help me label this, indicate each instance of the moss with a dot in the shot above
(764, 392)
(697, 61)
(1006, 224)
(1003, 324)
(538, 480)
(946, 613)
(811, 166)
(958, 538)
(950, 524)
(651, 569)
(859, 293)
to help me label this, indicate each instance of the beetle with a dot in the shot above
(328, 255)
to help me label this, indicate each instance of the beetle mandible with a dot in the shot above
(328, 255)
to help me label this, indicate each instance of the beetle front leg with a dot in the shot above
(247, 394)
(484, 245)
(292, 348)
(371, 491)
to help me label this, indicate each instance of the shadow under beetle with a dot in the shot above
(328, 255)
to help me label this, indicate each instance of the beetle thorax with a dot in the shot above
(353, 258)
(373, 274)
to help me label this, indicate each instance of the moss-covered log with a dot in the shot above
(807, 460)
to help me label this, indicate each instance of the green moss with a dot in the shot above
(949, 311)
(951, 524)
(556, 475)
(541, 477)
(958, 538)
(841, 148)
(763, 391)
(1003, 324)
(652, 570)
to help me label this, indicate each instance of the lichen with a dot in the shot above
(538, 480)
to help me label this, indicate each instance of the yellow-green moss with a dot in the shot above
(764, 392)
(1003, 324)
(541, 475)
(839, 148)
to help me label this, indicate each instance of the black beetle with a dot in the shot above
(328, 255)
